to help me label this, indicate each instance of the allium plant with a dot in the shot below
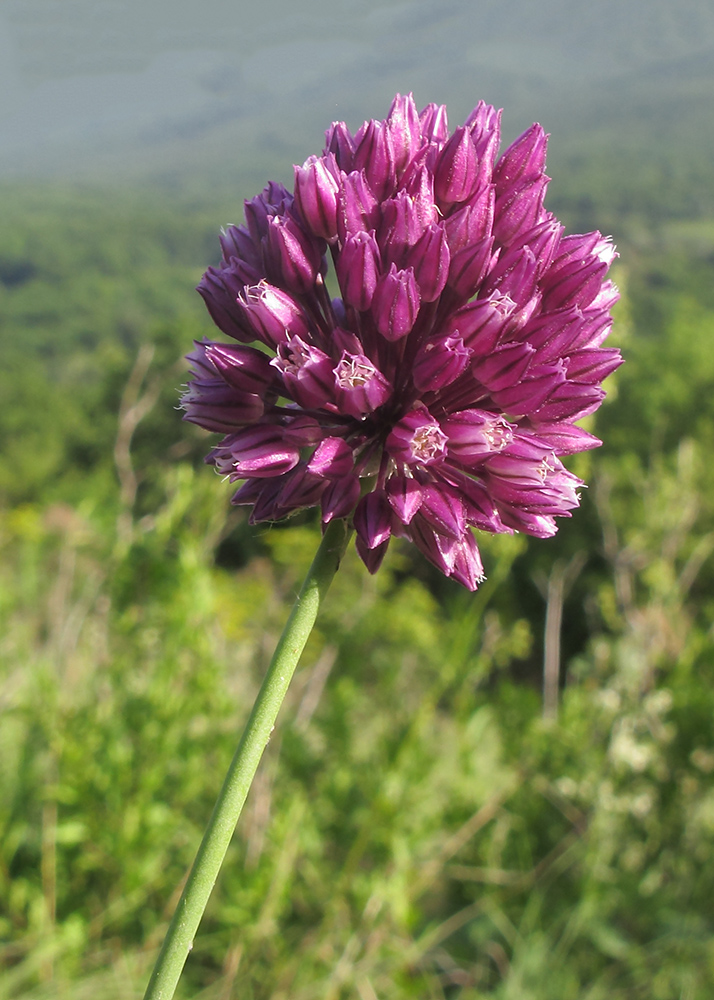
(434, 395)
(438, 391)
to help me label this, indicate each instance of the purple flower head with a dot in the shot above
(437, 394)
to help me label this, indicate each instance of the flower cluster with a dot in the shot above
(436, 393)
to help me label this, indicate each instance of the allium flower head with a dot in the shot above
(438, 391)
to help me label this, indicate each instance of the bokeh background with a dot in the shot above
(501, 795)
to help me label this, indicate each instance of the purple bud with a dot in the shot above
(518, 211)
(468, 267)
(372, 558)
(524, 462)
(515, 275)
(404, 129)
(302, 430)
(565, 439)
(438, 548)
(300, 489)
(217, 407)
(345, 340)
(357, 208)
(482, 322)
(373, 519)
(606, 298)
(538, 525)
(543, 241)
(456, 174)
(529, 477)
(484, 123)
(405, 497)
(438, 363)
(256, 452)
(267, 505)
(524, 160)
(529, 395)
(592, 366)
(332, 459)
(429, 258)
(400, 229)
(418, 182)
(273, 200)
(417, 439)
(358, 269)
(307, 373)
(244, 368)
(296, 255)
(273, 314)
(475, 434)
(444, 510)
(504, 367)
(340, 497)
(219, 289)
(239, 249)
(480, 510)
(593, 328)
(251, 489)
(339, 142)
(575, 276)
(568, 401)
(575, 285)
(374, 153)
(467, 566)
(339, 311)
(434, 124)
(575, 249)
(361, 388)
(316, 194)
(473, 222)
(263, 494)
(396, 303)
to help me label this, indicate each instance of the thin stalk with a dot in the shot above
(203, 875)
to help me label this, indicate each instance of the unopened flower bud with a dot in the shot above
(429, 258)
(273, 314)
(219, 288)
(373, 519)
(404, 129)
(357, 208)
(316, 194)
(524, 160)
(358, 269)
(374, 153)
(456, 173)
(339, 142)
(294, 253)
(439, 362)
(307, 372)
(396, 303)
(434, 124)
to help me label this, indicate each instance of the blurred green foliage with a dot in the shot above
(417, 828)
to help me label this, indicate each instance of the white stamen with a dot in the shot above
(428, 442)
(354, 372)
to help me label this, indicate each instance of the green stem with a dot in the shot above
(203, 875)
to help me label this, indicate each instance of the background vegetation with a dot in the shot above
(420, 827)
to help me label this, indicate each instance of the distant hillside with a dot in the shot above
(139, 88)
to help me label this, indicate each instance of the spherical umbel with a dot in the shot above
(436, 395)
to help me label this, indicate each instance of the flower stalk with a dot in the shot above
(203, 875)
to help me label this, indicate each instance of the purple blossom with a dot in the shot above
(437, 394)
